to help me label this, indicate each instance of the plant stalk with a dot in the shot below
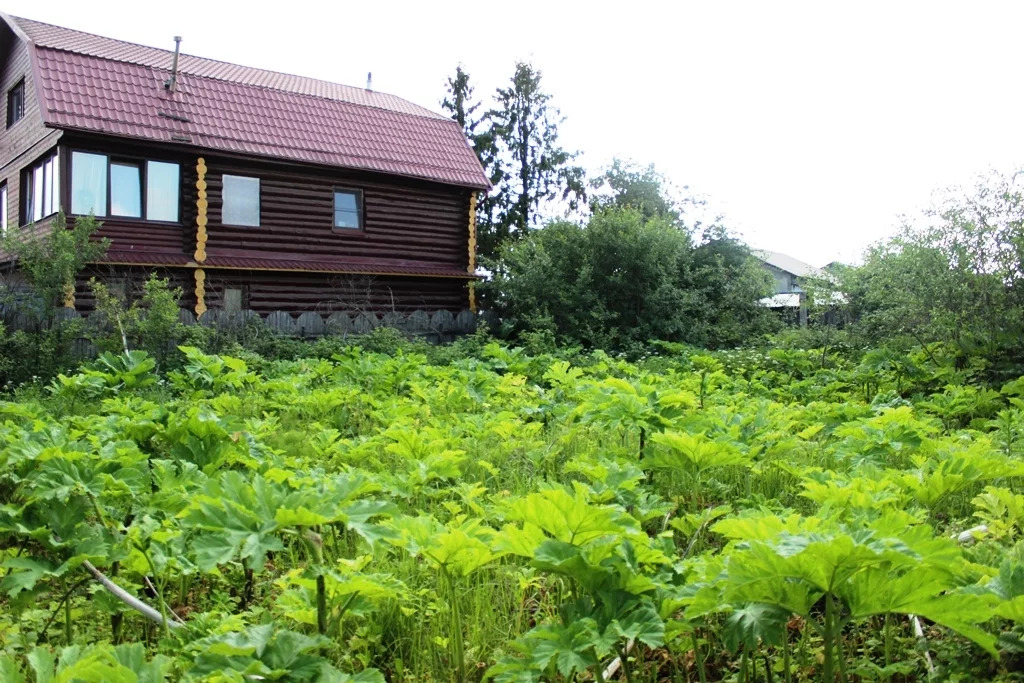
(787, 676)
(887, 640)
(698, 658)
(129, 599)
(321, 604)
(56, 610)
(156, 589)
(830, 618)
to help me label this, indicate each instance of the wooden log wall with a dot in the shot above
(294, 292)
(404, 220)
(264, 291)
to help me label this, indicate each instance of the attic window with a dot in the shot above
(16, 103)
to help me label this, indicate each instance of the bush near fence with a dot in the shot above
(434, 327)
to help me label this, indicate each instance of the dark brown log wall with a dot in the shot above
(131, 278)
(404, 219)
(269, 291)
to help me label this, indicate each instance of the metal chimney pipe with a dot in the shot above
(173, 82)
(369, 80)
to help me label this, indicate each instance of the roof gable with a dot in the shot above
(790, 264)
(92, 83)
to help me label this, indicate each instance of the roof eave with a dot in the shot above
(483, 186)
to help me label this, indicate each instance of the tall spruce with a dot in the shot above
(462, 106)
(525, 129)
(458, 101)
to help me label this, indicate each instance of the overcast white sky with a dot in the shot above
(809, 125)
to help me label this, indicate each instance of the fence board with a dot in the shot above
(437, 326)
(310, 324)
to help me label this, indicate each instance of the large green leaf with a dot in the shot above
(692, 452)
(568, 518)
(9, 670)
(754, 623)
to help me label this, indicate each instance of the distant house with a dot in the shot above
(790, 276)
(249, 189)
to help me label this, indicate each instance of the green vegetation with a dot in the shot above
(779, 515)
(516, 141)
(42, 343)
(625, 278)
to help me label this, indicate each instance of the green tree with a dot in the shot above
(51, 262)
(624, 279)
(627, 184)
(48, 264)
(954, 275)
(531, 169)
(727, 283)
(460, 103)
(150, 323)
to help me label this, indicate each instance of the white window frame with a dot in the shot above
(42, 191)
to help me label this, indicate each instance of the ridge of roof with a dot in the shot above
(54, 37)
(789, 264)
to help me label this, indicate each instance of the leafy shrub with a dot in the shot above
(624, 279)
(150, 323)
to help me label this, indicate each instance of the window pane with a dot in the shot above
(15, 104)
(346, 210)
(37, 193)
(125, 191)
(55, 206)
(241, 197)
(47, 187)
(3, 209)
(233, 300)
(88, 183)
(162, 190)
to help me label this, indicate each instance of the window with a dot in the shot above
(118, 289)
(41, 184)
(88, 184)
(233, 299)
(125, 190)
(348, 209)
(16, 103)
(3, 209)
(241, 197)
(162, 190)
(93, 174)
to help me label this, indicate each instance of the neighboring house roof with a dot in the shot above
(91, 83)
(791, 265)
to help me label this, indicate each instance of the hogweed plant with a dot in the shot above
(754, 514)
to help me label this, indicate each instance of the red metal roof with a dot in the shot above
(361, 267)
(88, 82)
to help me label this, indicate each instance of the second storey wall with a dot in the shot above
(402, 219)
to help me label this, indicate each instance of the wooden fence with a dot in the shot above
(437, 326)
(434, 327)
